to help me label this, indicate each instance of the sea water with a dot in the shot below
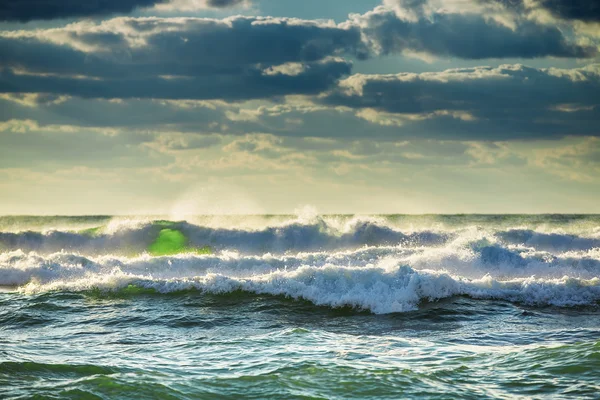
(464, 306)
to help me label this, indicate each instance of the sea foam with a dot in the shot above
(378, 279)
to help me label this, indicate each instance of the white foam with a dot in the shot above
(374, 279)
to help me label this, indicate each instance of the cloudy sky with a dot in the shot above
(264, 106)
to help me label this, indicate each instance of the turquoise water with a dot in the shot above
(301, 307)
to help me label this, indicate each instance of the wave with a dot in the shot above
(377, 279)
(364, 263)
(297, 236)
(132, 237)
(549, 241)
(374, 289)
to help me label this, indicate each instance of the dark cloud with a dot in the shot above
(242, 58)
(252, 84)
(468, 36)
(145, 114)
(583, 10)
(483, 103)
(224, 3)
(126, 47)
(495, 103)
(28, 10)
(488, 89)
(246, 58)
(237, 58)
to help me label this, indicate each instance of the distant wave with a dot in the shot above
(549, 241)
(318, 235)
(297, 236)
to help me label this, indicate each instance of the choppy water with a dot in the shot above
(300, 307)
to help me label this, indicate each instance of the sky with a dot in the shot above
(269, 106)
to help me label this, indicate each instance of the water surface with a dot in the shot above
(300, 307)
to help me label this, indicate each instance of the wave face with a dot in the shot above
(379, 264)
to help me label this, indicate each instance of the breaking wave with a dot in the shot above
(549, 241)
(375, 289)
(380, 279)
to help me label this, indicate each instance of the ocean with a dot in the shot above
(300, 306)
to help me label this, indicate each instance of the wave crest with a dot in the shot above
(372, 279)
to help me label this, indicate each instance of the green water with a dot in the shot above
(172, 241)
(190, 345)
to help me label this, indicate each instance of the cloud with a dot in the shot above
(462, 35)
(28, 10)
(176, 141)
(240, 58)
(582, 10)
(510, 101)
(579, 160)
(194, 5)
(26, 143)
(224, 3)
(248, 85)
(178, 58)
(200, 75)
